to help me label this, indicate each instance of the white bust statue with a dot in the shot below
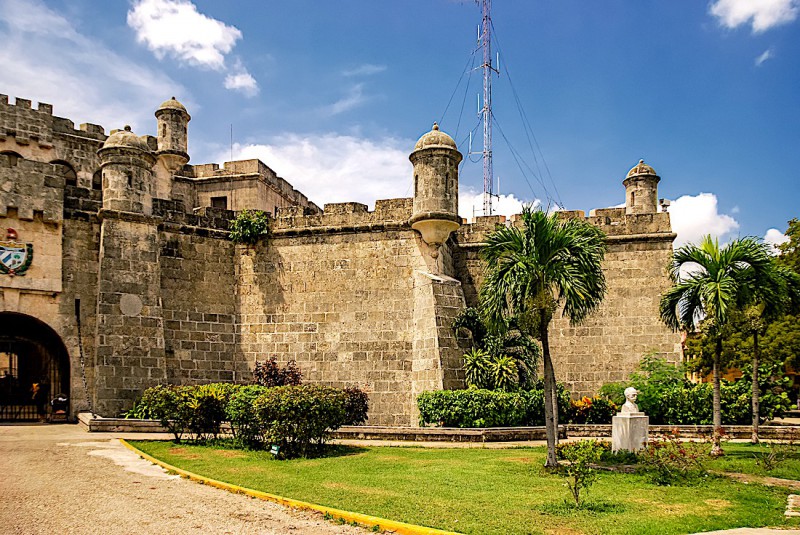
(630, 401)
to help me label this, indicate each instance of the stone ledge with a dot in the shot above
(443, 434)
(99, 424)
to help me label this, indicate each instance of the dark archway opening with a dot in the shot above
(34, 368)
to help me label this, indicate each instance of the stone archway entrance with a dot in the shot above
(34, 368)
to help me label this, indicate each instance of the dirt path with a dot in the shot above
(762, 480)
(60, 479)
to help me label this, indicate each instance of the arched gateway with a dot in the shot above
(34, 367)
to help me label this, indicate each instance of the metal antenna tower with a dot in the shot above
(486, 111)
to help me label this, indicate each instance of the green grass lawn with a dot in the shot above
(485, 491)
(740, 457)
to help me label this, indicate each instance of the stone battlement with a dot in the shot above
(343, 217)
(21, 121)
(613, 221)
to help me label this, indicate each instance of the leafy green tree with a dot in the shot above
(533, 269)
(718, 280)
(790, 251)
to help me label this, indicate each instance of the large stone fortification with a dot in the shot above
(119, 239)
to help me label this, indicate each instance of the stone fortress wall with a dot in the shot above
(124, 225)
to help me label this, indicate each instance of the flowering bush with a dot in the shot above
(595, 410)
(670, 460)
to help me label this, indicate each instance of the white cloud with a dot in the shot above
(241, 80)
(761, 15)
(175, 27)
(367, 69)
(45, 58)
(694, 216)
(775, 237)
(354, 98)
(764, 57)
(470, 204)
(337, 168)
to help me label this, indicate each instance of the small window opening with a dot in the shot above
(130, 180)
(275, 213)
(633, 198)
(9, 159)
(66, 170)
(219, 202)
(97, 180)
(416, 185)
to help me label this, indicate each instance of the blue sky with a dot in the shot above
(333, 95)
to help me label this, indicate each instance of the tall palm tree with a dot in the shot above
(775, 294)
(710, 283)
(533, 269)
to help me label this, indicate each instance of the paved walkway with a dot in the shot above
(61, 479)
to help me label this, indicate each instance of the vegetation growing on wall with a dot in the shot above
(249, 227)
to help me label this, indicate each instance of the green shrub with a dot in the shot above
(205, 407)
(486, 363)
(476, 369)
(298, 419)
(163, 403)
(654, 376)
(242, 415)
(668, 399)
(687, 404)
(249, 227)
(503, 371)
(195, 409)
(487, 408)
(356, 406)
(578, 470)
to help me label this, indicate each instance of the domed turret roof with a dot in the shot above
(172, 104)
(641, 168)
(126, 138)
(435, 138)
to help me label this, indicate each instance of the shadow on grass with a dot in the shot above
(588, 507)
(335, 450)
(318, 452)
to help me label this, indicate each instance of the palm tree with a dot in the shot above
(710, 283)
(776, 293)
(535, 268)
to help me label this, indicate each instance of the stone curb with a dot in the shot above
(365, 520)
(792, 505)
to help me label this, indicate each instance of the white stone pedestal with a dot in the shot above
(629, 431)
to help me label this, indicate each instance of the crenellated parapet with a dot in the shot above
(389, 214)
(614, 222)
(27, 124)
(619, 225)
